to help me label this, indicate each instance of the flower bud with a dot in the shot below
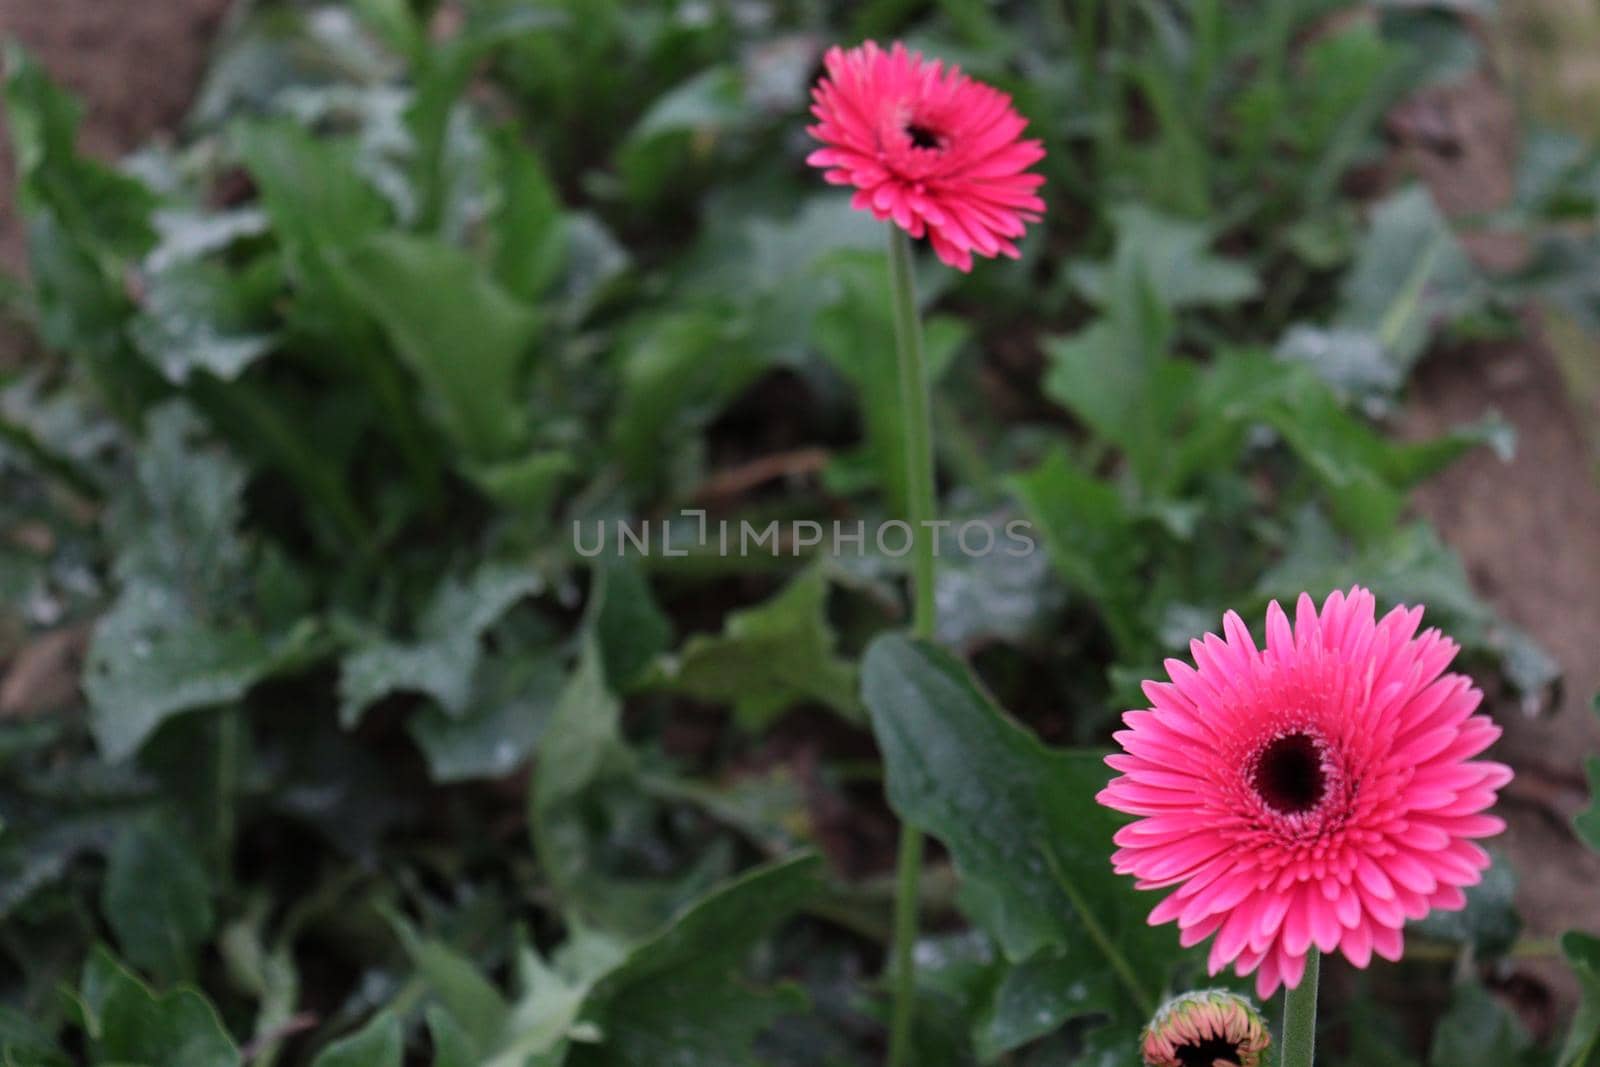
(1209, 1028)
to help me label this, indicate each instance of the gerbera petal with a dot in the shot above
(1267, 980)
(937, 153)
(1325, 926)
(1315, 791)
(1357, 945)
(1405, 869)
(1291, 968)
(1388, 942)
(1297, 925)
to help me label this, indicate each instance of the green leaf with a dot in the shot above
(86, 225)
(179, 1028)
(24, 1043)
(265, 57)
(769, 658)
(268, 427)
(98, 207)
(584, 733)
(190, 235)
(179, 637)
(527, 485)
(180, 523)
(682, 128)
(677, 372)
(629, 626)
(960, 770)
(44, 120)
(957, 970)
(706, 101)
(1175, 420)
(596, 264)
(152, 659)
(442, 71)
(1115, 376)
(452, 1046)
(1587, 822)
(1093, 543)
(55, 432)
(1582, 1046)
(442, 660)
(1352, 361)
(1343, 454)
(551, 997)
(378, 1044)
(767, 807)
(157, 898)
(1477, 1031)
(583, 744)
(83, 311)
(1365, 476)
(783, 270)
(717, 930)
(1107, 1046)
(465, 337)
(471, 999)
(513, 698)
(1103, 376)
(42, 833)
(1173, 159)
(395, 22)
(263, 967)
(530, 231)
(1002, 595)
(1410, 272)
(1555, 174)
(1171, 256)
(676, 995)
(201, 317)
(673, 994)
(312, 190)
(1351, 77)
(1036, 996)
(322, 207)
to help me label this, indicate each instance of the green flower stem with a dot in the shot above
(916, 425)
(916, 430)
(1300, 1017)
(906, 898)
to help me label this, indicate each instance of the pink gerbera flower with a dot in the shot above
(1321, 791)
(928, 147)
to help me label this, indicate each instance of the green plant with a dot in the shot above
(328, 386)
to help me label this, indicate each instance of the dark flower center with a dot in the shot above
(1288, 775)
(922, 137)
(1211, 1051)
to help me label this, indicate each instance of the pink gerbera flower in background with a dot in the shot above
(928, 147)
(1321, 791)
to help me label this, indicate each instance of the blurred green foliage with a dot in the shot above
(375, 765)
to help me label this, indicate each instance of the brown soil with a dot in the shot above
(1549, 46)
(135, 65)
(1528, 532)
